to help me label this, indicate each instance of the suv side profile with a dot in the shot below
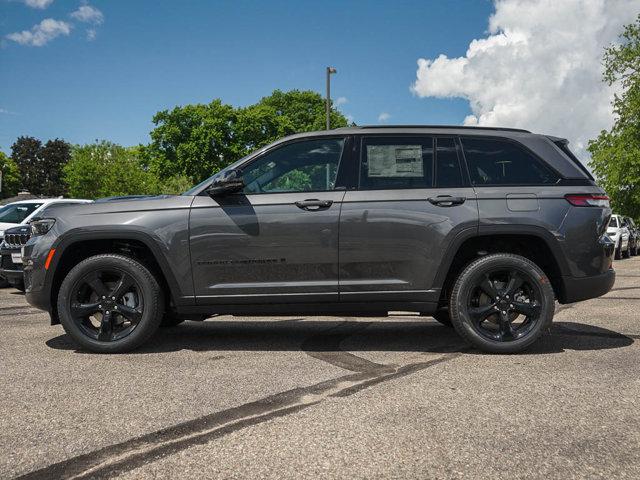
(483, 228)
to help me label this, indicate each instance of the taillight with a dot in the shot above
(587, 200)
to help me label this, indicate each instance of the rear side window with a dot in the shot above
(396, 162)
(613, 222)
(448, 173)
(500, 162)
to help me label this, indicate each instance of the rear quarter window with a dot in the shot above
(502, 162)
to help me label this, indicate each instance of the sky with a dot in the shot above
(100, 69)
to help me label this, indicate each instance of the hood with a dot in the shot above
(116, 205)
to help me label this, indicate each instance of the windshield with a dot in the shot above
(17, 212)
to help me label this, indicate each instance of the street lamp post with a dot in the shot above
(330, 70)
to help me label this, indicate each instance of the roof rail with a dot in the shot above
(453, 127)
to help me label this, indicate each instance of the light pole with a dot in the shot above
(330, 70)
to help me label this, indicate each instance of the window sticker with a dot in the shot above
(395, 161)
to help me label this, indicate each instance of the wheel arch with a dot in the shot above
(140, 246)
(532, 242)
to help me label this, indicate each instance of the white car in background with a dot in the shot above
(22, 211)
(619, 233)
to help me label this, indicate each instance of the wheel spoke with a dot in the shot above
(122, 287)
(527, 309)
(478, 314)
(134, 315)
(487, 287)
(515, 282)
(97, 284)
(506, 329)
(83, 309)
(106, 328)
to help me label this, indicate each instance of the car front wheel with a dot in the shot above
(502, 303)
(110, 304)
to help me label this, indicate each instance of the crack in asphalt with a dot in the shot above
(325, 346)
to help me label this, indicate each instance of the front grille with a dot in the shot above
(6, 263)
(16, 240)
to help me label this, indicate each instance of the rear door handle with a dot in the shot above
(314, 204)
(446, 200)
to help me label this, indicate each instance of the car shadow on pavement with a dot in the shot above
(349, 335)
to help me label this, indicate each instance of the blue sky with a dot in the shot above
(152, 55)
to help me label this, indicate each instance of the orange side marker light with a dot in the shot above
(49, 258)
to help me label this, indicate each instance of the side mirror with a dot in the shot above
(229, 182)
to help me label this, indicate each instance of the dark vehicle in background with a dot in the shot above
(483, 228)
(14, 238)
(634, 236)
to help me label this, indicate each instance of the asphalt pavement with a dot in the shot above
(325, 397)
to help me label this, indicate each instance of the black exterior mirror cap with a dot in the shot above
(229, 182)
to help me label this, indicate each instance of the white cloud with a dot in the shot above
(4, 111)
(41, 33)
(38, 3)
(383, 117)
(89, 14)
(340, 101)
(539, 68)
(91, 34)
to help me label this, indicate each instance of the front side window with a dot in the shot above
(307, 166)
(396, 162)
(501, 162)
(17, 213)
(613, 222)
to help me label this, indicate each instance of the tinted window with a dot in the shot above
(308, 166)
(500, 162)
(613, 222)
(18, 212)
(448, 173)
(396, 162)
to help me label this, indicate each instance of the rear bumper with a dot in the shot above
(583, 288)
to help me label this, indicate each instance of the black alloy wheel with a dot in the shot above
(502, 303)
(106, 304)
(110, 303)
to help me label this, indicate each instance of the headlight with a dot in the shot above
(40, 227)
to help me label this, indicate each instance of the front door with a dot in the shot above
(413, 198)
(277, 240)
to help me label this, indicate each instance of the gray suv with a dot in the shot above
(481, 228)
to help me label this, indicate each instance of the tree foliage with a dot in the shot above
(104, 169)
(10, 176)
(616, 153)
(40, 165)
(198, 140)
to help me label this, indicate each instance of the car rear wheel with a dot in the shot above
(627, 252)
(502, 303)
(618, 252)
(110, 304)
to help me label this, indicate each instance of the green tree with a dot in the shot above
(196, 141)
(41, 165)
(10, 176)
(25, 152)
(104, 169)
(615, 154)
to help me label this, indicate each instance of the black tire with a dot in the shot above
(98, 287)
(618, 251)
(3, 282)
(627, 252)
(492, 293)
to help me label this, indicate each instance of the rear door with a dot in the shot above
(412, 198)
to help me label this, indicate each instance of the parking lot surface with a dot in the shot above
(309, 397)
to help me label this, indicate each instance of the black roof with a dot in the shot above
(440, 127)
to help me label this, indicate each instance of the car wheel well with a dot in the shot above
(81, 250)
(531, 247)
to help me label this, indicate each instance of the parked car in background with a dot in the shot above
(634, 235)
(484, 228)
(619, 233)
(15, 237)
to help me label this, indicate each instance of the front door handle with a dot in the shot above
(314, 204)
(446, 200)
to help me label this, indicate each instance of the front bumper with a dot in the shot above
(12, 272)
(576, 289)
